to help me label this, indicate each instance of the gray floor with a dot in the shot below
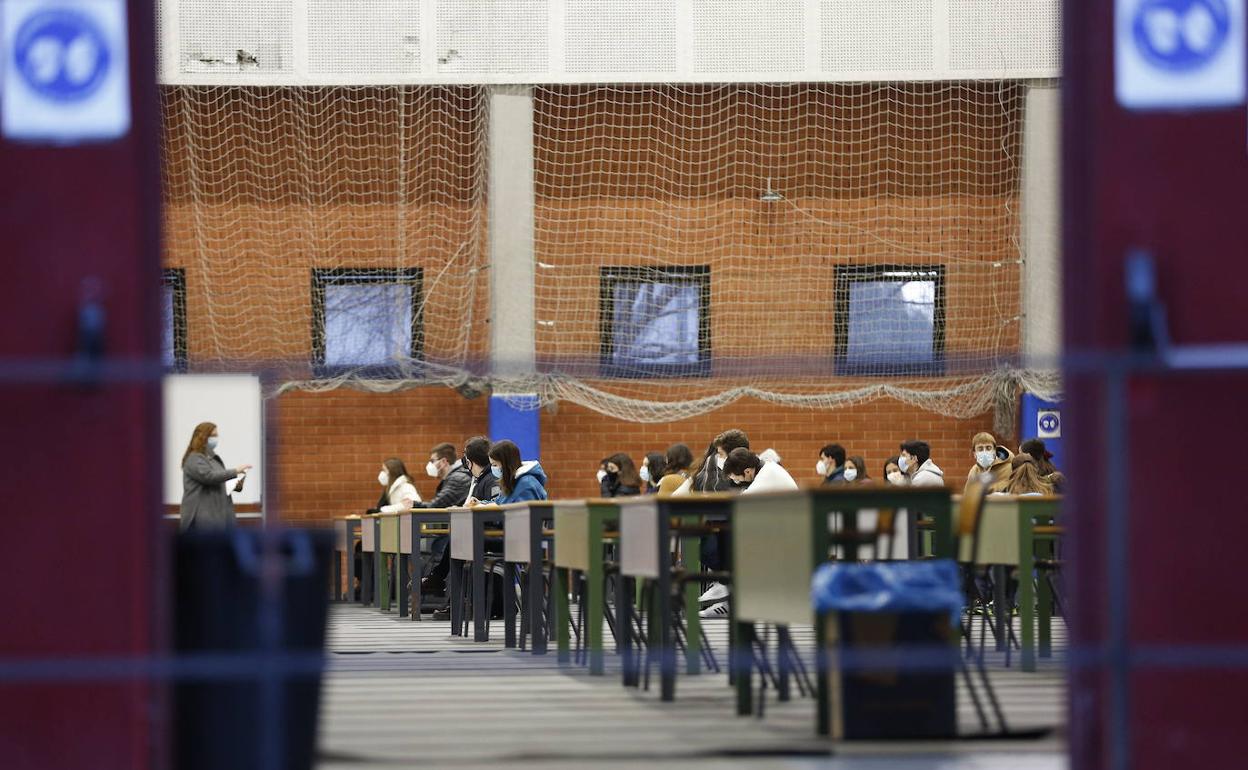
(400, 693)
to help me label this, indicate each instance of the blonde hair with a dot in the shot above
(1024, 478)
(983, 438)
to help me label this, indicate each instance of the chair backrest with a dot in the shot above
(970, 512)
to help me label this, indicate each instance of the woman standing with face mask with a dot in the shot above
(206, 504)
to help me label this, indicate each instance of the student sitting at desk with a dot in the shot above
(519, 480)
(399, 492)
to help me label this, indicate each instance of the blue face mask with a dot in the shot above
(497, 471)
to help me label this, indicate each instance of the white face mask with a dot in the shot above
(719, 461)
(212, 443)
(601, 475)
(645, 473)
(896, 478)
(851, 474)
(985, 458)
(383, 478)
(821, 468)
(902, 463)
(432, 469)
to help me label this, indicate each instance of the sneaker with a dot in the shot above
(442, 614)
(719, 610)
(716, 593)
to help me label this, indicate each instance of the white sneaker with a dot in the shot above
(716, 593)
(715, 611)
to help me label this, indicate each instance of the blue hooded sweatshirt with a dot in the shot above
(530, 485)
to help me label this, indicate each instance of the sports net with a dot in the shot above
(816, 245)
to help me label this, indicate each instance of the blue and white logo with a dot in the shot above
(1181, 35)
(1049, 424)
(1179, 54)
(66, 71)
(62, 54)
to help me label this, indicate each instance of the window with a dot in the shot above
(655, 321)
(366, 319)
(173, 318)
(890, 319)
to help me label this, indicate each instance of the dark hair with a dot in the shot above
(396, 468)
(891, 461)
(919, 449)
(508, 456)
(1036, 449)
(679, 458)
(732, 439)
(836, 452)
(477, 450)
(861, 465)
(705, 467)
(628, 476)
(658, 466)
(739, 459)
(446, 452)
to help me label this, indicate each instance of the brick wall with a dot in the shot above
(328, 447)
(262, 185)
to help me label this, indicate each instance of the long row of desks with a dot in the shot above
(778, 542)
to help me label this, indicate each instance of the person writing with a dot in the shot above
(206, 504)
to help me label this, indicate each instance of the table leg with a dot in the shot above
(744, 667)
(537, 625)
(1044, 602)
(823, 710)
(351, 573)
(478, 599)
(457, 588)
(663, 617)
(782, 665)
(400, 576)
(509, 605)
(383, 578)
(417, 569)
(337, 592)
(1026, 595)
(1000, 601)
(560, 580)
(596, 613)
(623, 629)
(366, 578)
(693, 622)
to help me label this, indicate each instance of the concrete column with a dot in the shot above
(512, 264)
(512, 340)
(1041, 226)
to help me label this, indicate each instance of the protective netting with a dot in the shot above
(816, 245)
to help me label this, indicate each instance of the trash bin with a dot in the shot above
(890, 629)
(230, 719)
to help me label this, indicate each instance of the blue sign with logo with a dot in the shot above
(1049, 422)
(1181, 35)
(61, 54)
(65, 69)
(1179, 54)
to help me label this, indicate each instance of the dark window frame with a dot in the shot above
(610, 277)
(175, 277)
(322, 277)
(845, 276)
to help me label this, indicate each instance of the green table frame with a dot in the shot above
(778, 542)
(580, 528)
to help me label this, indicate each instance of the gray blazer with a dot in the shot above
(205, 503)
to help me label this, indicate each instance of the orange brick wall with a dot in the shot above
(328, 447)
